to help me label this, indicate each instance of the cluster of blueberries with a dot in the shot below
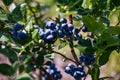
(18, 33)
(59, 30)
(87, 59)
(76, 71)
(53, 71)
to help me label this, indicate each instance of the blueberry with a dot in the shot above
(80, 68)
(17, 27)
(57, 27)
(76, 31)
(49, 38)
(68, 70)
(70, 27)
(82, 58)
(42, 34)
(60, 34)
(43, 73)
(59, 76)
(15, 33)
(82, 74)
(36, 26)
(54, 32)
(51, 72)
(71, 65)
(88, 59)
(63, 20)
(77, 36)
(87, 39)
(50, 25)
(84, 29)
(21, 35)
(77, 74)
(52, 66)
(47, 32)
(68, 34)
(64, 26)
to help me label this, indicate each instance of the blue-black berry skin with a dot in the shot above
(70, 27)
(17, 27)
(84, 29)
(76, 31)
(51, 25)
(49, 38)
(53, 72)
(64, 26)
(76, 71)
(88, 59)
(63, 20)
(60, 34)
(21, 35)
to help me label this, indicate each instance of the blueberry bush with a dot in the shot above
(28, 37)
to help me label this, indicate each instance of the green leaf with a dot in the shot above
(29, 26)
(14, 67)
(35, 35)
(95, 73)
(104, 58)
(23, 76)
(107, 40)
(113, 30)
(2, 10)
(3, 17)
(62, 44)
(40, 58)
(7, 2)
(6, 69)
(81, 48)
(9, 53)
(92, 25)
(18, 13)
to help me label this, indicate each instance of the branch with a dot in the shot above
(64, 56)
(71, 43)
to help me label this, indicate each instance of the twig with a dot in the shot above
(117, 23)
(36, 21)
(64, 56)
(85, 76)
(70, 19)
(71, 43)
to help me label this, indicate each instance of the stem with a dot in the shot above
(117, 23)
(30, 8)
(71, 43)
(24, 47)
(64, 56)
(85, 76)
(70, 19)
